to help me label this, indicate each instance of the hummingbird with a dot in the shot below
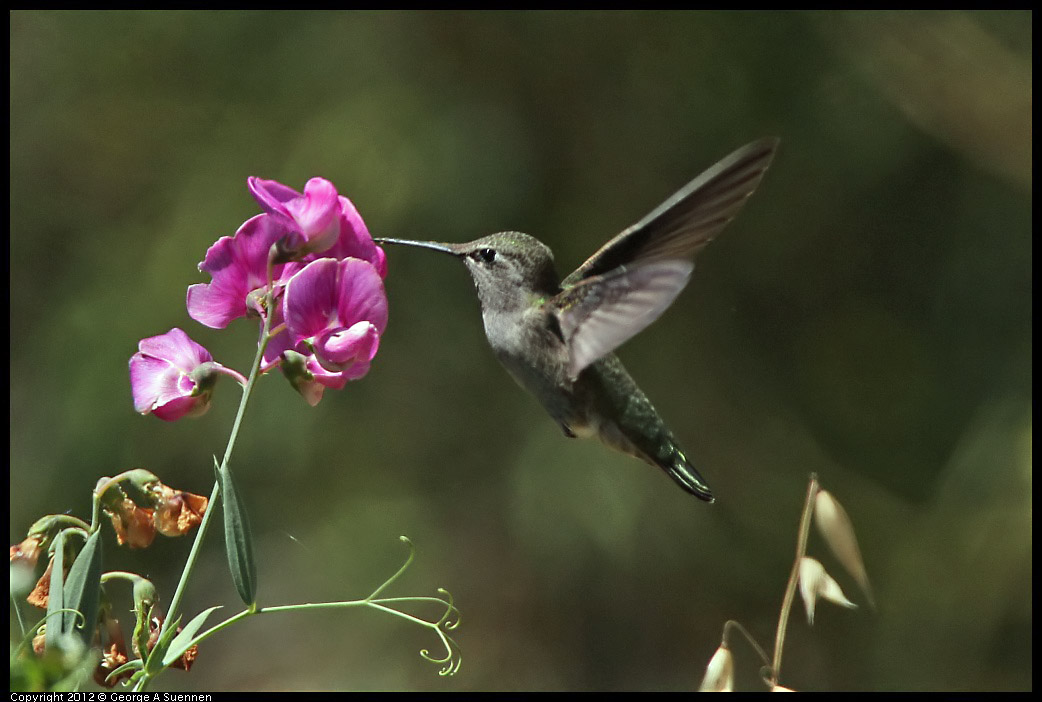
(556, 336)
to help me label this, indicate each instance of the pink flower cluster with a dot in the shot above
(308, 268)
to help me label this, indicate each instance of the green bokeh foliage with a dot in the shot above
(867, 317)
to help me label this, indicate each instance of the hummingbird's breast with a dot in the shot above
(538, 360)
(603, 401)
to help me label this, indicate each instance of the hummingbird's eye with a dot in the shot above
(487, 255)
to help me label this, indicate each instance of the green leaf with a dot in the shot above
(183, 641)
(55, 596)
(238, 542)
(82, 589)
(129, 665)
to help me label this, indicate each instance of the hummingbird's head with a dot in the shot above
(510, 261)
(508, 268)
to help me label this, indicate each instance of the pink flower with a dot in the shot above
(171, 376)
(315, 215)
(336, 311)
(239, 267)
(302, 226)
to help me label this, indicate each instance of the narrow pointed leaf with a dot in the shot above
(186, 639)
(83, 588)
(56, 593)
(238, 542)
(838, 531)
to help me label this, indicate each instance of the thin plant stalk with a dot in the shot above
(175, 601)
(794, 576)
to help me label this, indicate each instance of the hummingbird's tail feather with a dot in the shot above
(657, 448)
(625, 420)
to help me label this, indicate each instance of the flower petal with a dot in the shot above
(358, 342)
(315, 214)
(361, 295)
(310, 305)
(355, 240)
(177, 348)
(238, 265)
(271, 194)
(150, 379)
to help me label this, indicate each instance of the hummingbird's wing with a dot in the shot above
(683, 224)
(633, 278)
(600, 313)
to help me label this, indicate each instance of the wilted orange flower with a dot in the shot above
(28, 551)
(133, 524)
(114, 654)
(39, 639)
(177, 512)
(110, 660)
(38, 597)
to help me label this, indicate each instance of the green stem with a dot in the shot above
(204, 525)
(99, 492)
(379, 604)
(794, 576)
(18, 614)
(732, 624)
(132, 578)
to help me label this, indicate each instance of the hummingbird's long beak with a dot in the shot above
(433, 245)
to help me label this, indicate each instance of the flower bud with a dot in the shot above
(838, 531)
(815, 583)
(719, 675)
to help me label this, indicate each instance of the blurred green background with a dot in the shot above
(867, 317)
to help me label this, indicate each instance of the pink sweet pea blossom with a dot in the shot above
(302, 226)
(239, 267)
(315, 215)
(337, 310)
(302, 370)
(171, 376)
